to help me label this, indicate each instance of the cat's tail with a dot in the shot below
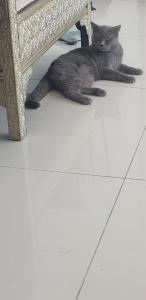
(41, 90)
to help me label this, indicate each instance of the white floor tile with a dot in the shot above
(50, 225)
(138, 167)
(119, 267)
(130, 14)
(65, 136)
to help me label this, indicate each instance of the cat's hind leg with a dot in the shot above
(129, 70)
(93, 91)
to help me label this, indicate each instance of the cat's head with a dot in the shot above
(105, 38)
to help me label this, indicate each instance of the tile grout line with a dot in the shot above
(136, 179)
(61, 172)
(108, 219)
(73, 173)
(85, 174)
(141, 137)
(99, 241)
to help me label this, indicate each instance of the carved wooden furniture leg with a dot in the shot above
(25, 34)
(12, 77)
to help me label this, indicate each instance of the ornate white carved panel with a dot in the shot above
(43, 24)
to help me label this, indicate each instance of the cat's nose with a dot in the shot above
(102, 45)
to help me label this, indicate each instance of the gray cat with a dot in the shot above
(73, 73)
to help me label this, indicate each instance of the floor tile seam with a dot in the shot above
(60, 172)
(107, 223)
(136, 149)
(135, 179)
(99, 242)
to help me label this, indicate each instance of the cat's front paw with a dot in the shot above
(130, 79)
(139, 72)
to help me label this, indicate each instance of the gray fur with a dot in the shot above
(74, 73)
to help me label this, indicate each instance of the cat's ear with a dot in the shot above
(116, 29)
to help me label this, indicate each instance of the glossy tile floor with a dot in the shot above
(73, 193)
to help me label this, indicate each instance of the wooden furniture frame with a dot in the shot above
(24, 36)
